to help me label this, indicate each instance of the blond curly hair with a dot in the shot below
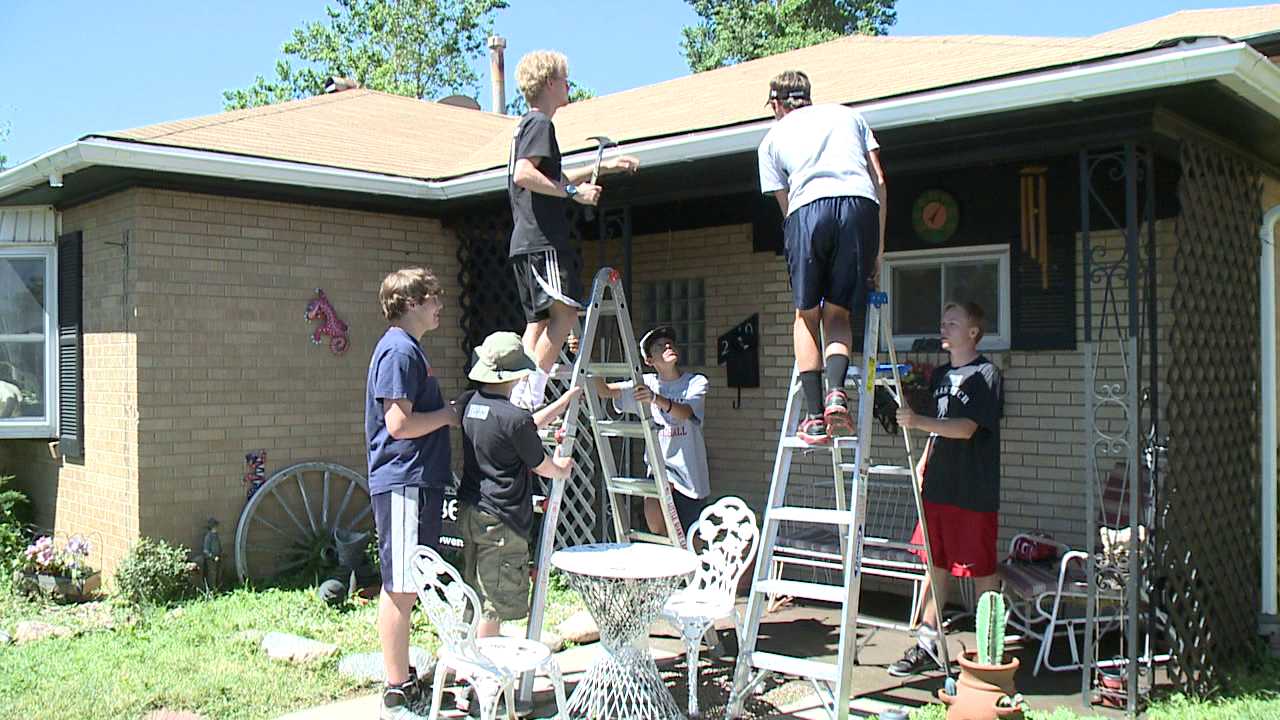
(411, 284)
(538, 68)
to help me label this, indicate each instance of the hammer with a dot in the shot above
(602, 143)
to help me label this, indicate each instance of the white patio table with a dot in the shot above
(624, 586)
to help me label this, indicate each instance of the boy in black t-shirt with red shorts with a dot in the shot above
(960, 468)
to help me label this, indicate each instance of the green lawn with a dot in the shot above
(189, 657)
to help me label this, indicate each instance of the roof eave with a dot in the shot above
(1236, 65)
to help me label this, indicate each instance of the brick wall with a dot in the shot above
(1041, 436)
(227, 364)
(97, 497)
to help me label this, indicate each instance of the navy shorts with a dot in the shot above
(405, 518)
(544, 278)
(831, 248)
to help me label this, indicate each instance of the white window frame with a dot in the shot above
(995, 338)
(46, 427)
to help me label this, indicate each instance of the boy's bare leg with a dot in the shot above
(837, 330)
(533, 333)
(552, 340)
(805, 336)
(939, 581)
(394, 610)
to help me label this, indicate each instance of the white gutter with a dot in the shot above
(1236, 65)
(1267, 303)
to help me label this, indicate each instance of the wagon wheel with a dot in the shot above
(289, 523)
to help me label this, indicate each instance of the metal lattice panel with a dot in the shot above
(1120, 366)
(489, 302)
(1207, 515)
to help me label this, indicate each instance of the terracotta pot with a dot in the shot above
(979, 688)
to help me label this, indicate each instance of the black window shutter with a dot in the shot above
(1044, 314)
(70, 346)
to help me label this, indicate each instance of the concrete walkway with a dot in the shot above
(796, 630)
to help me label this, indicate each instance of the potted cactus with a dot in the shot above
(985, 690)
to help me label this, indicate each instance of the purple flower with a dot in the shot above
(78, 545)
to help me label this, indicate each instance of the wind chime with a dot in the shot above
(1035, 217)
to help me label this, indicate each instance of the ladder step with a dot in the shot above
(621, 428)
(824, 516)
(642, 536)
(891, 470)
(799, 667)
(794, 588)
(844, 442)
(639, 487)
(604, 307)
(610, 369)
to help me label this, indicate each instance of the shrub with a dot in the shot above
(153, 573)
(13, 506)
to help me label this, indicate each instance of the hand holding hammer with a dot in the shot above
(622, 163)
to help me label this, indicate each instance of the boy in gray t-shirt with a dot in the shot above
(678, 403)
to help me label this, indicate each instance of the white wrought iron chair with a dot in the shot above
(724, 539)
(491, 665)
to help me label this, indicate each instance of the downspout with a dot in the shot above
(1267, 304)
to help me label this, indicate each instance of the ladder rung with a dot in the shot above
(640, 487)
(894, 470)
(648, 537)
(793, 588)
(799, 667)
(621, 428)
(824, 516)
(605, 307)
(610, 369)
(845, 442)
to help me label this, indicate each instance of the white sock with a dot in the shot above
(538, 388)
(520, 393)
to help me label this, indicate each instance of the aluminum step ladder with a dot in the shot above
(832, 681)
(607, 300)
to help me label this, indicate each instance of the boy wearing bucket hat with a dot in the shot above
(501, 447)
(677, 400)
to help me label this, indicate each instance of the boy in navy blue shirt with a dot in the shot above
(406, 428)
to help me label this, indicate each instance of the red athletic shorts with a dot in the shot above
(963, 541)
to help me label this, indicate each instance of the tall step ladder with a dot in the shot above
(607, 300)
(833, 682)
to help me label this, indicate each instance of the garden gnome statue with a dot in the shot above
(211, 555)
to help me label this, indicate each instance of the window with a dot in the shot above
(682, 305)
(28, 337)
(920, 282)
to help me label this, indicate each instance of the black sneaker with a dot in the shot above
(914, 661)
(418, 690)
(813, 430)
(397, 704)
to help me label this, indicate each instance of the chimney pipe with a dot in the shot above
(498, 73)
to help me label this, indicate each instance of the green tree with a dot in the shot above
(733, 31)
(4, 135)
(519, 106)
(418, 48)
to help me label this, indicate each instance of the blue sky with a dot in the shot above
(72, 67)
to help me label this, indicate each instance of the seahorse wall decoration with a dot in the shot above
(321, 309)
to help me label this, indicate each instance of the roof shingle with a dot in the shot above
(393, 135)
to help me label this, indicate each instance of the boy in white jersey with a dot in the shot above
(677, 400)
(822, 163)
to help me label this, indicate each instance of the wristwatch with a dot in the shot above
(570, 190)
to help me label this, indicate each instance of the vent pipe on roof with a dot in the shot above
(498, 73)
(337, 84)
